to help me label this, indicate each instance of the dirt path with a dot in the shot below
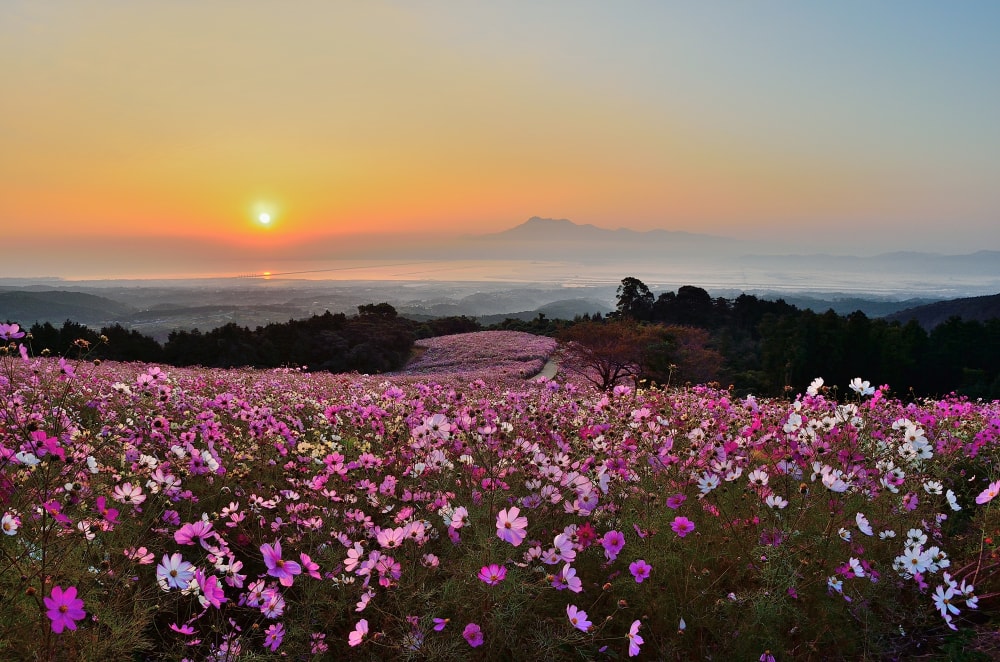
(549, 370)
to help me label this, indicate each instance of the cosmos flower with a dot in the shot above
(578, 618)
(682, 526)
(492, 574)
(284, 571)
(174, 572)
(634, 640)
(358, 633)
(63, 608)
(613, 542)
(510, 527)
(640, 570)
(473, 634)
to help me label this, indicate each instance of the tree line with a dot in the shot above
(375, 340)
(772, 346)
(756, 345)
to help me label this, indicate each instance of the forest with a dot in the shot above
(750, 344)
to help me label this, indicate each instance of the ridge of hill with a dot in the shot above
(978, 309)
(30, 307)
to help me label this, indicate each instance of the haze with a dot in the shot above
(149, 138)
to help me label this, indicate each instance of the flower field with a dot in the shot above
(152, 513)
(494, 353)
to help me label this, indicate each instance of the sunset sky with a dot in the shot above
(844, 126)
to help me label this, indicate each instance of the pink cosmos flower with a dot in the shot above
(492, 574)
(128, 493)
(634, 640)
(272, 604)
(189, 533)
(613, 541)
(285, 571)
(10, 332)
(358, 633)
(64, 608)
(640, 570)
(309, 566)
(989, 493)
(109, 514)
(566, 578)
(272, 638)
(674, 502)
(142, 556)
(473, 634)
(186, 629)
(578, 618)
(211, 593)
(510, 527)
(682, 526)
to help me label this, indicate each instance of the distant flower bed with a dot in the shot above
(153, 513)
(491, 352)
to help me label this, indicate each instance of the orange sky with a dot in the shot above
(152, 119)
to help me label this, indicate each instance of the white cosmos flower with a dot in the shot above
(775, 501)
(815, 386)
(856, 567)
(863, 525)
(862, 387)
(933, 486)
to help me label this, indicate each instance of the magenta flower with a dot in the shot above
(186, 629)
(674, 502)
(440, 624)
(309, 566)
(64, 608)
(473, 633)
(578, 618)
(272, 638)
(285, 571)
(492, 574)
(682, 526)
(358, 633)
(189, 533)
(640, 570)
(613, 541)
(510, 527)
(634, 640)
(211, 593)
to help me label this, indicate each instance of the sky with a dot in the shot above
(139, 129)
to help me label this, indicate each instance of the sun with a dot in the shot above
(264, 218)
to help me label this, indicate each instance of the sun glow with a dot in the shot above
(264, 218)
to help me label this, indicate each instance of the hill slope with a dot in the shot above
(969, 309)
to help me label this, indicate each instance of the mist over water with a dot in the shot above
(718, 277)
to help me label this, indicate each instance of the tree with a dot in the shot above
(605, 354)
(635, 301)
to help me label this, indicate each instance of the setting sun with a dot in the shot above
(264, 218)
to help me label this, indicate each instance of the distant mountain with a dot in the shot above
(969, 309)
(57, 306)
(555, 238)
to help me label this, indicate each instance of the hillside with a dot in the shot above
(58, 305)
(979, 309)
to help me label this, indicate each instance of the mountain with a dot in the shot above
(969, 309)
(57, 306)
(561, 238)
(562, 229)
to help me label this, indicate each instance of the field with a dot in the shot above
(461, 511)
